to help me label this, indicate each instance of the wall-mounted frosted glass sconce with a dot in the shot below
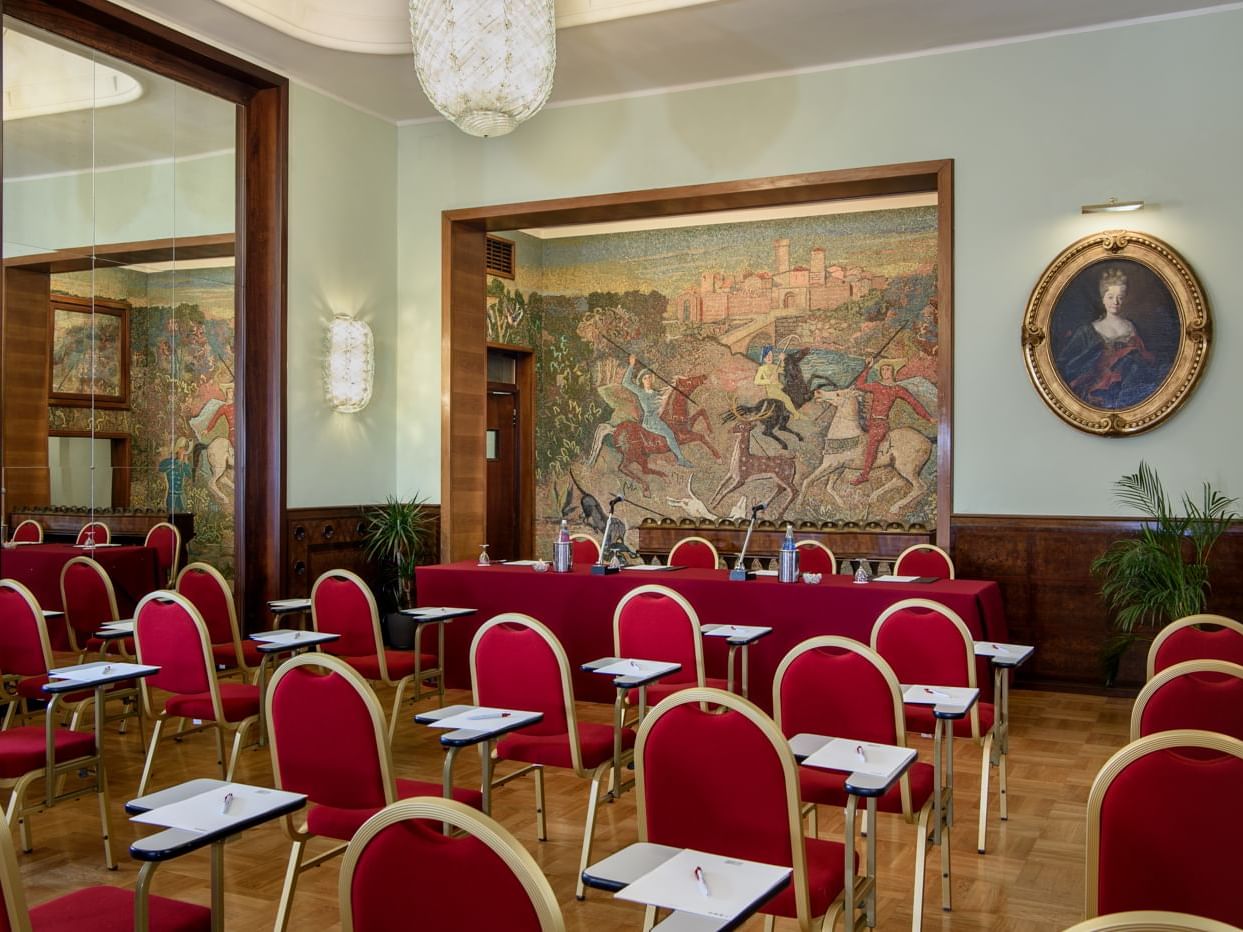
(349, 364)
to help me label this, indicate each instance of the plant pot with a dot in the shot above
(398, 631)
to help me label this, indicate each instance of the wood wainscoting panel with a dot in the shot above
(331, 538)
(1043, 565)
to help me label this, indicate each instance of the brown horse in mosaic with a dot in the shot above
(637, 445)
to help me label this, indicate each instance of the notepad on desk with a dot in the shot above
(87, 673)
(209, 812)
(481, 718)
(732, 886)
(640, 668)
(278, 605)
(652, 568)
(939, 695)
(879, 760)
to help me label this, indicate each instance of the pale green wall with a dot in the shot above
(189, 197)
(1035, 128)
(342, 227)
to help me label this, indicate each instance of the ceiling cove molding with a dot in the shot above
(382, 27)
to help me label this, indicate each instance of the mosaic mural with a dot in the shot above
(703, 370)
(181, 414)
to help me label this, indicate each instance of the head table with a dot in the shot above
(578, 607)
(134, 572)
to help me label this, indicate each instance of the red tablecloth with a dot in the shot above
(578, 607)
(134, 572)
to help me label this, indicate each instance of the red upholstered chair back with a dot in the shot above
(1196, 637)
(722, 782)
(1202, 694)
(584, 548)
(837, 686)
(29, 531)
(695, 552)
(517, 663)
(208, 591)
(924, 560)
(169, 633)
(87, 596)
(101, 532)
(484, 879)
(656, 623)
(815, 557)
(328, 734)
(24, 648)
(165, 540)
(342, 604)
(1164, 820)
(925, 642)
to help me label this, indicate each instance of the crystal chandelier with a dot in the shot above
(486, 65)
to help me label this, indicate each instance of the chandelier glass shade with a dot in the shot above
(486, 65)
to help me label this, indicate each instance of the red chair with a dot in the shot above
(815, 557)
(165, 540)
(927, 642)
(726, 783)
(837, 687)
(485, 879)
(342, 604)
(95, 531)
(328, 740)
(25, 752)
(517, 663)
(1196, 637)
(208, 591)
(656, 623)
(89, 602)
(584, 548)
(924, 560)
(26, 658)
(28, 532)
(1164, 820)
(1202, 694)
(169, 633)
(100, 908)
(695, 552)
(1151, 920)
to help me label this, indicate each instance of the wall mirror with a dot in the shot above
(120, 321)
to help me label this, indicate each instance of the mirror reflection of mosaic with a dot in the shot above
(86, 352)
(702, 370)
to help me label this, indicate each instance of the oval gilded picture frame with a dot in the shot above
(1116, 333)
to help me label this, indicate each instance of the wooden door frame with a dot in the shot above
(524, 384)
(262, 99)
(463, 347)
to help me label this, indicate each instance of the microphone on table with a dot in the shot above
(739, 572)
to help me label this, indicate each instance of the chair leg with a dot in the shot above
(1001, 783)
(649, 918)
(985, 767)
(291, 882)
(105, 817)
(813, 821)
(541, 816)
(945, 869)
(16, 801)
(770, 923)
(238, 735)
(146, 767)
(921, 862)
(8, 715)
(221, 760)
(593, 803)
(392, 720)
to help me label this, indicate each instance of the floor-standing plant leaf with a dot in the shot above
(1162, 574)
(397, 535)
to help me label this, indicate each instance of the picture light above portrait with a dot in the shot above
(1111, 206)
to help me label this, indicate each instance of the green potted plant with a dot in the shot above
(1162, 574)
(397, 535)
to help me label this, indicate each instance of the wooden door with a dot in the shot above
(502, 479)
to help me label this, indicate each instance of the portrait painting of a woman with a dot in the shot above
(1115, 334)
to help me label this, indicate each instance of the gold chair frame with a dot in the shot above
(218, 726)
(949, 561)
(809, 544)
(112, 605)
(1151, 920)
(172, 570)
(600, 774)
(716, 555)
(462, 817)
(1188, 621)
(22, 524)
(927, 839)
(242, 668)
(599, 550)
(1162, 741)
(95, 523)
(1186, 668)
(692, 618)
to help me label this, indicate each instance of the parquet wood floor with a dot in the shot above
(1030, 881)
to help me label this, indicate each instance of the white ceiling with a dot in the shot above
(710, 42)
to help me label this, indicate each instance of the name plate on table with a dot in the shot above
(878, 760)
(706, 885)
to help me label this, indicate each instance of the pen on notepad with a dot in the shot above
(635, 664)
(228, 801)
(937, 693)
(483, 715)
(700, 882)
(107, 668)
(860, 753)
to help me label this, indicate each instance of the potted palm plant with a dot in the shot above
(1161, 575)
(397, 535)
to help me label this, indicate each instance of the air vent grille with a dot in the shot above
(500, 257)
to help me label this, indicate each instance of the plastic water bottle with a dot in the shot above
(787, 566)
(562, 550)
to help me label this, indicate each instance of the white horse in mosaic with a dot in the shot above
(905, 451)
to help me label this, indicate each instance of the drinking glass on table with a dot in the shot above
(484, 559)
